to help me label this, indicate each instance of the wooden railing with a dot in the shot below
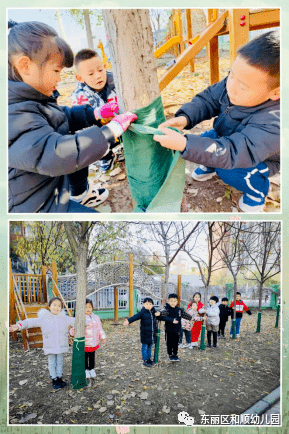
(30, 287)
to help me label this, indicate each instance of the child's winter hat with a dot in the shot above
(215, 298)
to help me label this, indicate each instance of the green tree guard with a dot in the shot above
(203, 333)
(277, 315)
(234, 328)
(78, 380)
(157, 346)
(259, 322)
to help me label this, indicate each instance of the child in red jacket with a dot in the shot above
(196, 330)
(240, 306)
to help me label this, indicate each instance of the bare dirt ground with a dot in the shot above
(222, 381)
(210, 196)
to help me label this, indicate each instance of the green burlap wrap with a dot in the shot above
(78, 380)
(156, 175)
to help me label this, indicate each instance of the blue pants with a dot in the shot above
(187, 335)
(55, 365)
(252, 181)
(237, 325)
(146, 351)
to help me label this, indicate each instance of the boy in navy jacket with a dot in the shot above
(243, 149)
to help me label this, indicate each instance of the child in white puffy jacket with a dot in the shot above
(93, 334)
(213, 320)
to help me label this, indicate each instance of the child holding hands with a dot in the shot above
(54, 325)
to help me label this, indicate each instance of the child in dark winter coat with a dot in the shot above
(45, 141)
(243, 149)
(172, 315)
(225, 311)
(95, 87)
(240, 307)
(148, 329)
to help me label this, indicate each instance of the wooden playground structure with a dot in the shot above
(28, 293)
(237, 23)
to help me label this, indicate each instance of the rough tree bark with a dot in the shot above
(132, 57)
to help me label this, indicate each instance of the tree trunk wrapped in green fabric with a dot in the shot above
(78, 380)
(156, 175)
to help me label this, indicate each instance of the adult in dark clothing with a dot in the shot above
(148, 328)
(225, 312)
(172, 315)
(243, 149)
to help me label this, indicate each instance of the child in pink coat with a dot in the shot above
(93, 334)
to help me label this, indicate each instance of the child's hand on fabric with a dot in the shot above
(126, 322)
(13, 328)
(157, 314)
(175, 321)
(171, 139)
(120, 123)
(179, 122)
(108, 110)
(103, 341)
(71, 332)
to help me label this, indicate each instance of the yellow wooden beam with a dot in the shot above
(192, 50)
(239, 30)
(167, 46)
(213, 50)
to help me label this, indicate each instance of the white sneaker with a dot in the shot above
(248, 208)
(194, 344)
(237, 336)
(92, 373)
(87, 373)
(181, 346)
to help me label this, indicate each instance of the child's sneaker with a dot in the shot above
(203, 173)
(107, 163)
(95, 197)
(147, 363)
(171, 358)
(92, 373)
(194, 344)
(176, 359)
(250, 208)
(55, 383)
(151, 362)
(181, 346)
(61, 382)
(209, 345)
(87, 373)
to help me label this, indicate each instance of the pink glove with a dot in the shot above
(120, 123)
(108, 110)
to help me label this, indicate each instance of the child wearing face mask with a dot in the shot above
(54, 325)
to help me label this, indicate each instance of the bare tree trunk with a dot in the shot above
(260, 296)
(81, 289)
(132, 54)
(88, 28)
(60, 23)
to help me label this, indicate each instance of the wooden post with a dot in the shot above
(130, 292)
(239, 21)
(44, 288)
(54, 275)
(182, 44)
(174, 31)
(12, 310)
(115, 302)
(179, 289)
(190, 35)
(213, 50)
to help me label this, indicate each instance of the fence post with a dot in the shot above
(277, 315)
(179, 289)
(12, 311)
(44, 288)
(130, 292)
(259, 322)
(54, 275)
